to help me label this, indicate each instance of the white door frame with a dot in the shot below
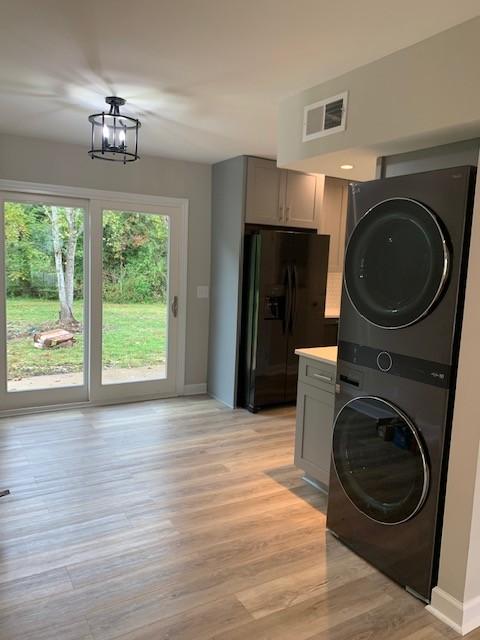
(101, 393)
(94, 200)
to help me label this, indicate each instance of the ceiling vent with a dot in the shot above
(325, 117)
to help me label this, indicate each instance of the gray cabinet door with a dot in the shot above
(333, 219)
(313, 439)
(265, 192)
(300, 200)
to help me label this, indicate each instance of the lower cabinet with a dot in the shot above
(313, 439)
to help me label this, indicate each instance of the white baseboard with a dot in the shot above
(195, 389)
(463, 617)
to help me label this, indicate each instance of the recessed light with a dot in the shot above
(346, 166)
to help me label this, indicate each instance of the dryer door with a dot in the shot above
(380, 460)
(396, 263)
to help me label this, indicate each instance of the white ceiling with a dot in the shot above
(204, 76)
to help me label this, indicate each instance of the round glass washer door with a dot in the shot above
(380, 460)
(396, 263)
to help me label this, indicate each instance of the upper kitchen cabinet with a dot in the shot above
(279, 197)
(300, 189)
(264, 204)
(333, 220)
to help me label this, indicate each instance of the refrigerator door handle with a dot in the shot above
(288, 299)
(293, 301)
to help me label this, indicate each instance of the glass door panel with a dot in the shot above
(43, 309)
(135, 264)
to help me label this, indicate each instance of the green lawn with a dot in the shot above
(134, 336)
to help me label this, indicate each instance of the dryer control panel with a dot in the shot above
(396, 364)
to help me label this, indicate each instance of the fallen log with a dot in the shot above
(53, 339)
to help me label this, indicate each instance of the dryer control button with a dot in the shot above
(384, 361)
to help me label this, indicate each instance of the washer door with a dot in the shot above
(396, 263)
(379, 460)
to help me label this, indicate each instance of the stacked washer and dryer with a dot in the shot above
(402, 304)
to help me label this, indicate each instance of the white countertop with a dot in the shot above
(322, 354)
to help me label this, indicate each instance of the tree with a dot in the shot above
(28, 247)
(66, 229)
(135, 257)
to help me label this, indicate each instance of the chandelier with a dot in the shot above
(114, 136)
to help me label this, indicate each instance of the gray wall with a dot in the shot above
(228, 193)
(34, 160)
(441, 157)
(424, 95)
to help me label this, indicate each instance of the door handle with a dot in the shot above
(288, 299)
(293, 302)
(174, 306)
(322, 377)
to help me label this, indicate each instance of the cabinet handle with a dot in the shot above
(322, 377)
(287, 213)
(281, 211)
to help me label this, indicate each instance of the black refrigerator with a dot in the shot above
(283, 308)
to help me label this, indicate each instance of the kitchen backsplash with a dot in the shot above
(334, 291)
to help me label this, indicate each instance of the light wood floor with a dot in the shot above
(178, 519)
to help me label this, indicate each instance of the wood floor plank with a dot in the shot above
(40, 585)
(317, 614)
(381, 623)
(117, 541)
(179, 519)
(44, 631)
(292, 588)
(203, 551)
(199, 623)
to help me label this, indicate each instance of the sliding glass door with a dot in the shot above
(88, 301)
(135, 301)
(44, 300)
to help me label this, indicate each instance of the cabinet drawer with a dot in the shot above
(317, 374)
